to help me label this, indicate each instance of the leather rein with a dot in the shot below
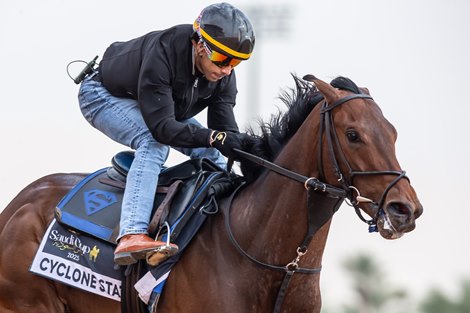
(315, 187)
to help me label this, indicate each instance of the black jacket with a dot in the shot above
(157, 70)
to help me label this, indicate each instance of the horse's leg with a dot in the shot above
(20, 290)
(79, 301)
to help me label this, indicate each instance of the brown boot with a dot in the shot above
(132, 248)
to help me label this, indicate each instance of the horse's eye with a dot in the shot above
(353, 136)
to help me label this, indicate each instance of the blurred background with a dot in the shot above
(413, 56)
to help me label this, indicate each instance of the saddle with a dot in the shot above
(94, 205)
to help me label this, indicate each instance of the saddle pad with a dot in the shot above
(78, 260)
(92, 207)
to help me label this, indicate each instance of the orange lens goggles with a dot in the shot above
(220, 59)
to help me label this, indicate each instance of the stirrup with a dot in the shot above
(160, 254)
(168, 230)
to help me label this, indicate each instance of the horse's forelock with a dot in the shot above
(345, 84)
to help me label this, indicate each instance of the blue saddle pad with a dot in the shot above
(92, 207)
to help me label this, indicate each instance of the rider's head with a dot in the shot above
(226, 33)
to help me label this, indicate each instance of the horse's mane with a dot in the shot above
(275, 133)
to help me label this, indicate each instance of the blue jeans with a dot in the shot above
(121, 120)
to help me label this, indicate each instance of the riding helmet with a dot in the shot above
(226, 29)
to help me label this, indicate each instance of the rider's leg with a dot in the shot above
(121, 120)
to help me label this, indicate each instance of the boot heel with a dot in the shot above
(125, 258)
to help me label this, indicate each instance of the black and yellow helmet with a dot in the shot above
(226, 30)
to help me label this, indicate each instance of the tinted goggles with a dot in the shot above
(218, 58)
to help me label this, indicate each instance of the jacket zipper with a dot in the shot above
(192, 96)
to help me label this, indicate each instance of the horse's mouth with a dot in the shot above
(386, 228)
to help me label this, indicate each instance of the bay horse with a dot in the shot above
(259, 254)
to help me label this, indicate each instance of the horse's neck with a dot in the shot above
(272, 213)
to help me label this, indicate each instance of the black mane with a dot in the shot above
(282, 126)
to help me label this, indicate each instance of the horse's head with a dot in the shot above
(357, 151)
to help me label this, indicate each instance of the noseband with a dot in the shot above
(333, 144)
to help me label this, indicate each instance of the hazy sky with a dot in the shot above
(412, 55)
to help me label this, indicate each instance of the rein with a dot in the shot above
(306, 181)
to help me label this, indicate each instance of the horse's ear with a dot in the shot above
(329, 92)
(310, 78)
(365, 90)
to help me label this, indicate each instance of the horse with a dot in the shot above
(263, 251)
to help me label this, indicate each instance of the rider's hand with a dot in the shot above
(225, 142)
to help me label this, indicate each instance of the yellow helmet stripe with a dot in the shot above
(206, 36)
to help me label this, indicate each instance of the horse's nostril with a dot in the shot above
(418, 211)
(399, 208)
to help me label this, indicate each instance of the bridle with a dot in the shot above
(317, 217)
(333, 144)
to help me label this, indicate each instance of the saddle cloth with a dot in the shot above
(78, 260)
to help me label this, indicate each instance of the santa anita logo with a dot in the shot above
(69, 242)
